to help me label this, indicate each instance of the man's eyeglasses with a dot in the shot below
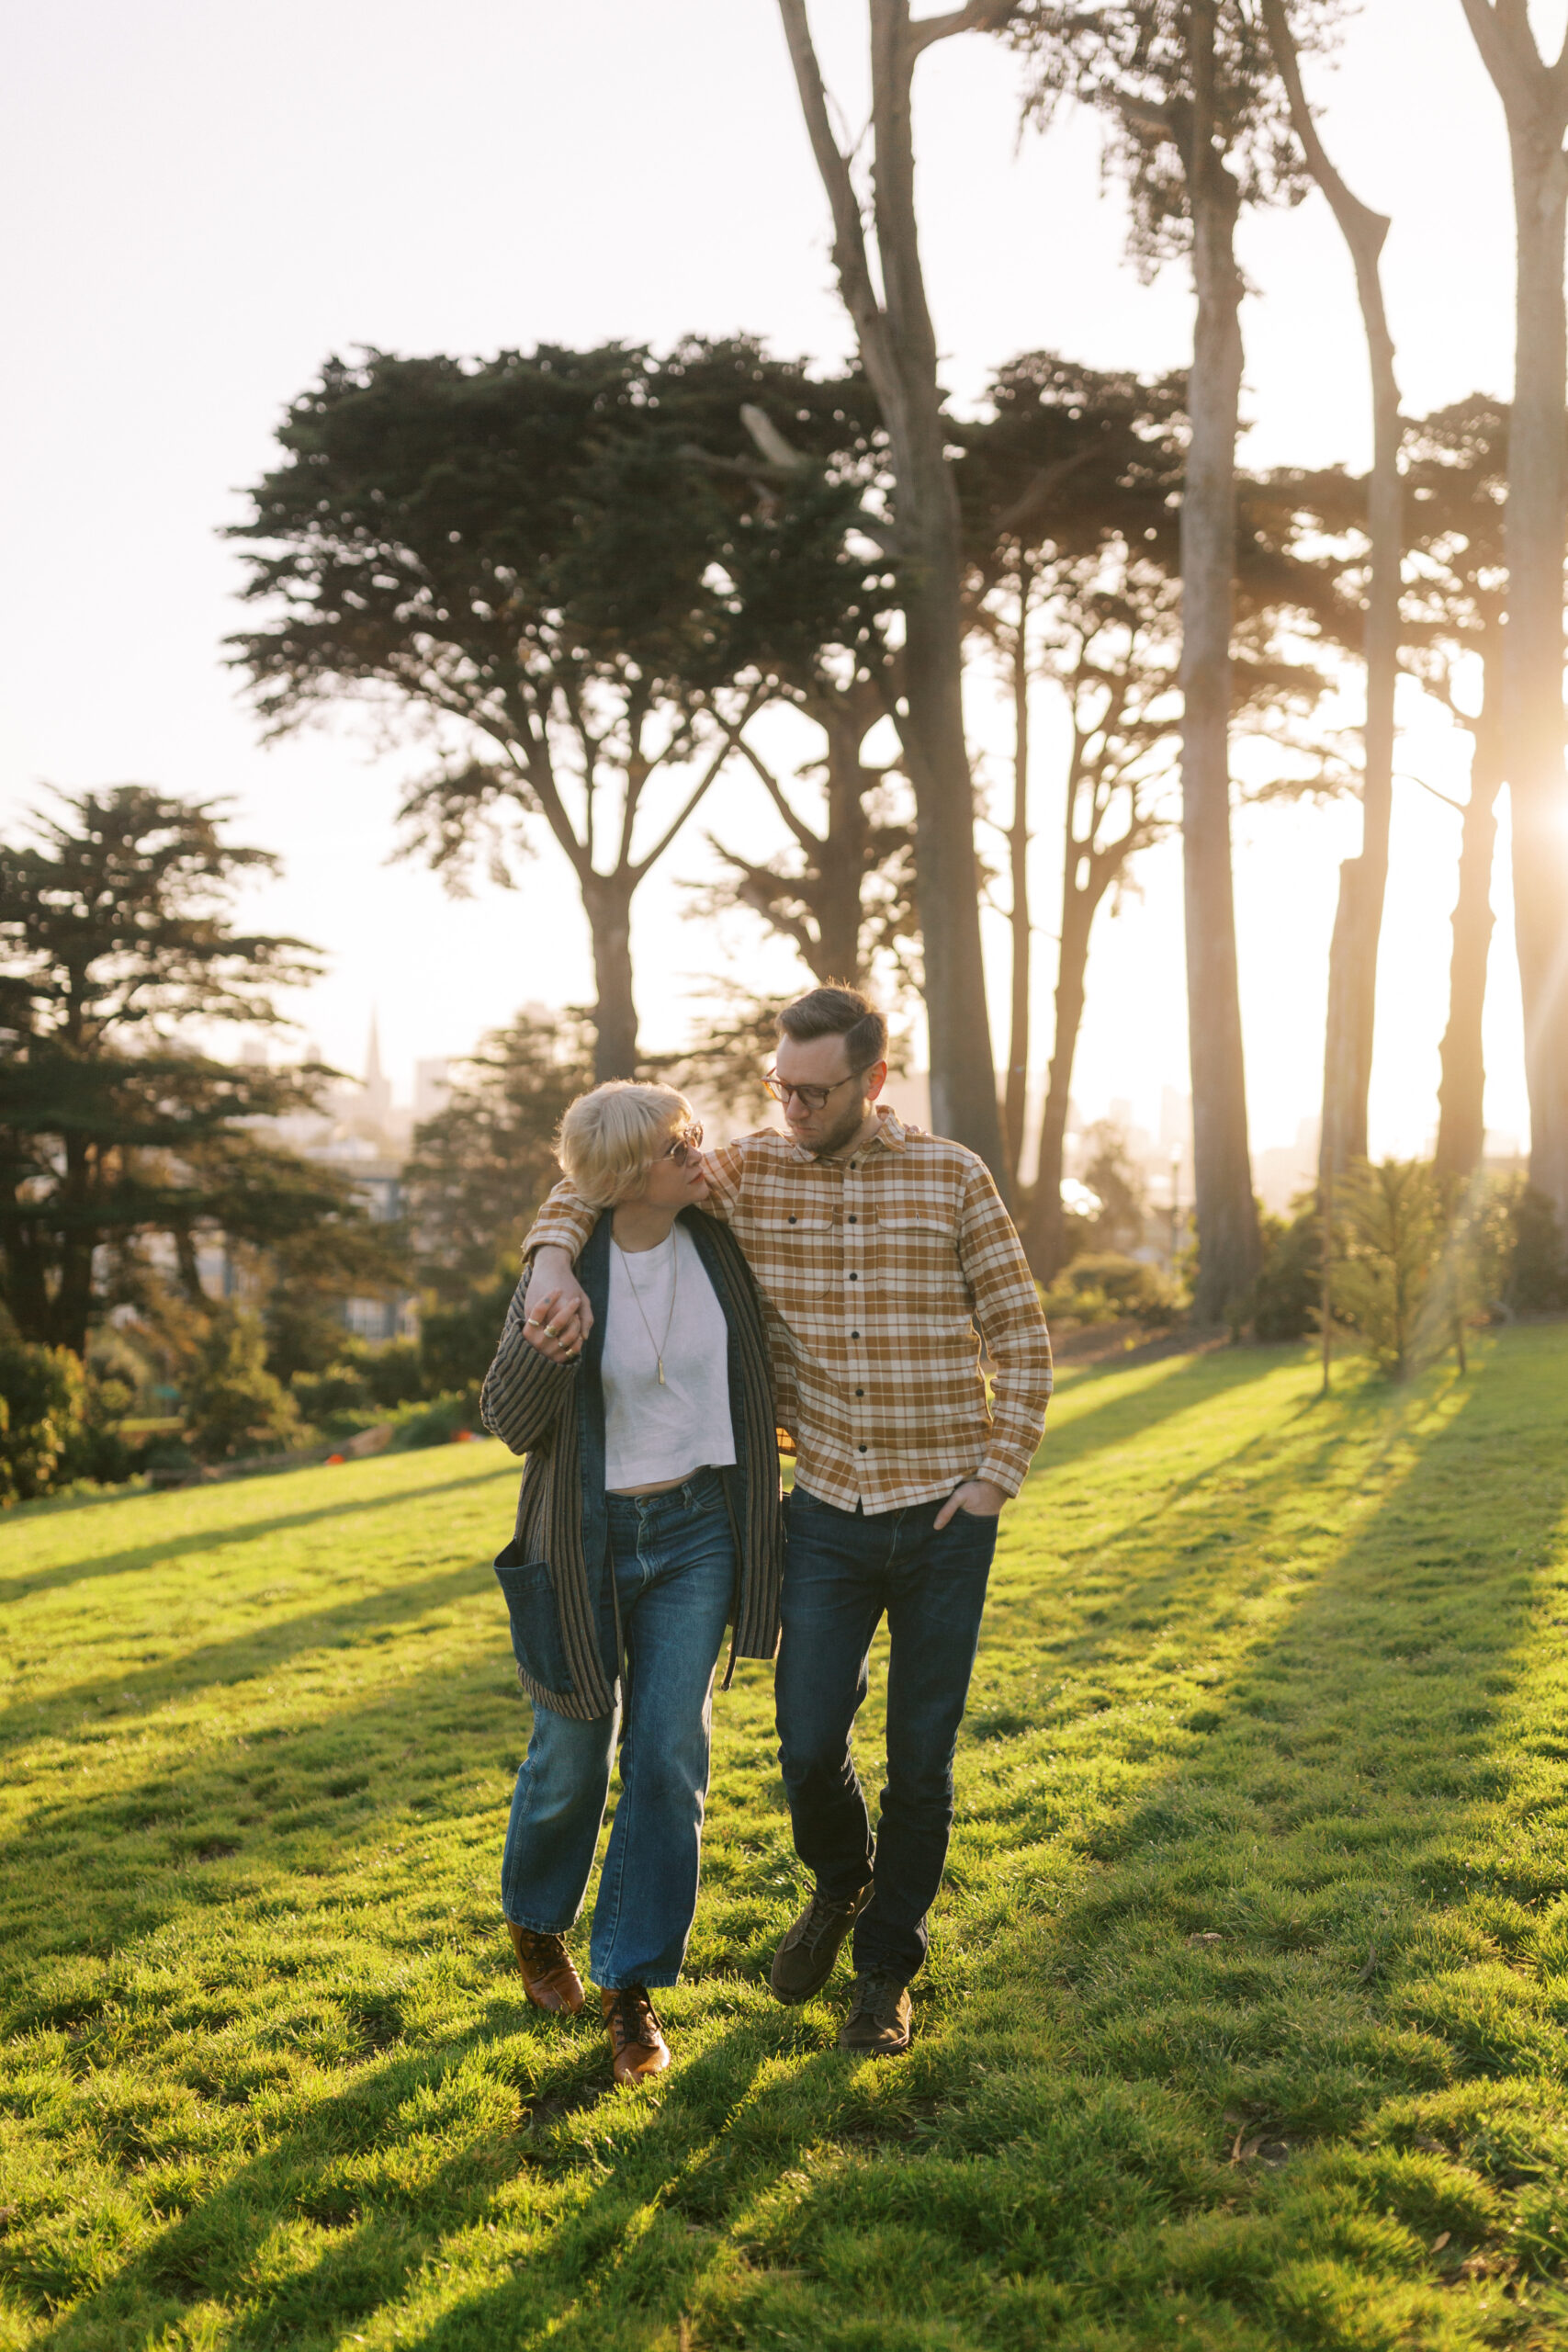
(685, 1145)
(814, 1097)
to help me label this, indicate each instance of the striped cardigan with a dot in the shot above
(553, 1570)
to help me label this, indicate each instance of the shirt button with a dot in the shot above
(792, 1220)
(855, 1335)
(863, 1449)
(860, 1392)
(854, 1219)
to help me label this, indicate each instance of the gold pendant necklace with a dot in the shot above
(674, 1289)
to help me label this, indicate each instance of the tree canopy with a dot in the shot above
(576, 571)
(116, 1127)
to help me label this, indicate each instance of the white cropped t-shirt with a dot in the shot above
(654, 1433)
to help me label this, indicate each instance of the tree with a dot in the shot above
(1072, 492)
(519, 556)
(1068, 462)
(1198, 126)
(842, 893)
(897, 350)
(482, 1165)
(116, 935)
(234, 1405)
(1535, 103)
(1454, 618)
(1387, 1237)
(1363, 880)
(477, 1172)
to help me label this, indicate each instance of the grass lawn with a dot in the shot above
(1243, 2023)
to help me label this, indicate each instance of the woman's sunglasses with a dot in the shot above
(686, 1146)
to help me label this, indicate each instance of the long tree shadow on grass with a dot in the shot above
(1054, 2151)
(250, 1656)
(1306, 1938)
(175, 1547)
(1329, 1935)
(1170, 1387)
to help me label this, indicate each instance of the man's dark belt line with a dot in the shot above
(884, 1256)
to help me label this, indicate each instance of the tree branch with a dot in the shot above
(730, 738)
(850, 257)
(979, 17)
(807, 840)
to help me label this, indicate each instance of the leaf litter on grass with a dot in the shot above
(1243, 2023)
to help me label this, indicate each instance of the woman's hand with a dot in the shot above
(555, 1330)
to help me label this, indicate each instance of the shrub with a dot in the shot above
(43, 1405)
(393, 1374)
(456, 1343)
(341, 1388)
(1537, 1278)
(1388, 1234)
(1107, 1288)
(233, 1403)
(437, 1422)
(1288, 1288)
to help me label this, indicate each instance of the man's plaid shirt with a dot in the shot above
(875, 1271)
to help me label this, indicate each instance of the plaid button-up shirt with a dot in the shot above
(875, 1271)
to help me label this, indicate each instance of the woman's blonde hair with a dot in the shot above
(610, 1138)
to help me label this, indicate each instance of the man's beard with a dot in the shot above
(844, 1131)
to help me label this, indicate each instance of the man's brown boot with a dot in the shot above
(878, 2022)
(548, 1977)
(637, 2045)
(804, 1962)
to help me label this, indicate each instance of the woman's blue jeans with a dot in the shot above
(673, 1556)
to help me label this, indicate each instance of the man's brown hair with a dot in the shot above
(835, 1011)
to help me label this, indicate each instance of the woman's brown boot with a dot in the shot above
(548, 1977)
(637, 2045)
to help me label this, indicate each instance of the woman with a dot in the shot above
(648, 1519)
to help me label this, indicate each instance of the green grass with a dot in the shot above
(1243, 2023)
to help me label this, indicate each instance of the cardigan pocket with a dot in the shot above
(536, 1642)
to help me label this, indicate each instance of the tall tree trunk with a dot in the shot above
(72, 1308)
(1045, 1237)
(1228, 1239)
(607, 898)
(1532, 661)
(842, 866)
(1535, 101)
(1461, 1089)
(897, 349)
(1014, 1102)
(1348, 1069)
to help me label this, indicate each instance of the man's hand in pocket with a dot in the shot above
(976, 1496)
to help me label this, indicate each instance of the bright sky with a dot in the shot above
(204, 202)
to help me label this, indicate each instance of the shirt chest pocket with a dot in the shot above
(803, 1252)
(917, 1263)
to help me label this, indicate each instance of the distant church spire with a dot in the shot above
(377, 1100)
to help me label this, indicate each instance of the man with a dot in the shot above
(878, 1249)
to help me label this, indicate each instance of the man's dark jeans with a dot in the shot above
(845, 1571)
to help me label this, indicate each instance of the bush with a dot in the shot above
(1537, 1278)
(437, 1422)
(456, 1343)
(393, 1374)
(233, 1403)
(1388, 1234)
(341, 1388)
(1107, 1288)
(1288, 1289)
(44, 1407)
